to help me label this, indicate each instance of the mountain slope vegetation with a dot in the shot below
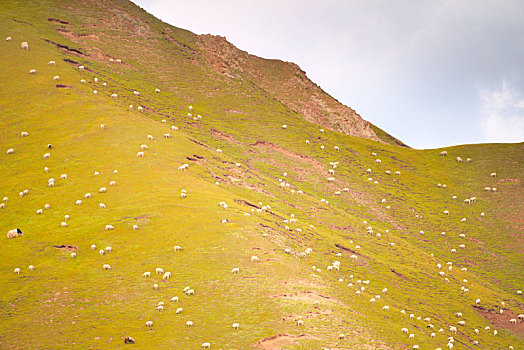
(380, 234)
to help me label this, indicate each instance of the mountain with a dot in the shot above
(322, 226)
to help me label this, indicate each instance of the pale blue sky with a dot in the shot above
(432, 73)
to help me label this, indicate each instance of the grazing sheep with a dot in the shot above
(114, 95)
(177, 248)
(73, 255)
(47, 155)
(147, 274)
(378, 161)
(444, 153)
(63, 176)
(513, 320)
(519, 292)
(157, 90)
(189, 324)
(109, 227)
(179, 310)
(206, 345)
(166, 276)
(112, 183)
(87, 195)
(78, 202)
(453, 329)
(155, 286)
(174, 299)
(96, 173)
(411, 336)
(307, 142)
(235, 270)
(17, 271)
(10, 151)
(14, 233)
(24, 45)
(149, 324)
(136, 93)
(82, 81)
(385, 308)
(95, 92)
(300, 323)
(51, 63)
(167, 136)
(129, 340)
(31, 268)
(254, 258)
(107, 267)
(63, 224)
(140, 155)
(39, 212)
(56, 78)
(236, 326)
(136, 228)
(160, 308)
(8, 38)
(102, 190)
(337, 148)
(159, 271)
(144, 147)
(493, 174)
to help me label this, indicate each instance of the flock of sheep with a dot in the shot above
(358, 284)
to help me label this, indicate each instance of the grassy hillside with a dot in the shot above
(70, 302)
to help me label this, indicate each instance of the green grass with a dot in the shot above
(75, 303)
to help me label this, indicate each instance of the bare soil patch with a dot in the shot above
(277, 342)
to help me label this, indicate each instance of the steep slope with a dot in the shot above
(73, 302)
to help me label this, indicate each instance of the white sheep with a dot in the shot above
(17, 271)
(78, 202)
(39, 212)
(95, 92)
(155, 286)
(102, 190)
(14, 233)
(10, 151)
(56, 78)
(47, 206)
(144, 147)
(174, 299)
(179, 310)
(109, 227)
(147, 274)
(140, 155)
(47, 156)
(63, 224)
(24, 134)
(87, 195)
(113, 95)
(159, 271)
(107, 267)
(284, 126)
(493, 174)
(167, 136)
(236, 326)
(254, 258)
(82, 81)
(206, 345)
(166, 276)
(189, 323)
(24, 45)
(136, 228)
(8, 38)
(51, 63)
(112, 183)
(96, 173)
(73, 255)
(235, 270)
(102, 206)
(157, 90)
(31, 268)
(149, 324)
(177, 248)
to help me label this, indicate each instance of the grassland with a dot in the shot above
(67, 303)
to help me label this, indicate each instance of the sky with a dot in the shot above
(432, 73)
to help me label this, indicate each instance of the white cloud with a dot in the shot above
(502, 113)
